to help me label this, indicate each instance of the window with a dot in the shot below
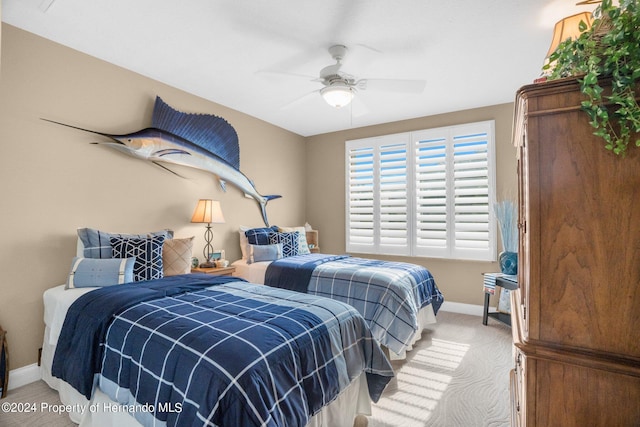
(426, 193)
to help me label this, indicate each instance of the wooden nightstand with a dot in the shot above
(222, 271)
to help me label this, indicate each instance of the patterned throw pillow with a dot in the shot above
(148, 254)
(289, 242)
(260, 236)
(303, 246)
(176, 256)
(97, 243)
(89, 272)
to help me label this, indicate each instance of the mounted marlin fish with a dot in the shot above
(200, 141)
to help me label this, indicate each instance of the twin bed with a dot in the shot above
(396, 299)
(191, 349)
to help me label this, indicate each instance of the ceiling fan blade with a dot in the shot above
(46, 4)
(367, 47)
(286, 73)
(358, 107)
(297, 61)
(392, 85)
(300, 100)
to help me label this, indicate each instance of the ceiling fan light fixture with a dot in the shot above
(337, 95)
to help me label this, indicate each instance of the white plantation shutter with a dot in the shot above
(431, 195)
(360, 198)
(393, 198)
(472, 194)
(426, 193)
(377, 196)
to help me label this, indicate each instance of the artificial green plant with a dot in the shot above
(609, 49)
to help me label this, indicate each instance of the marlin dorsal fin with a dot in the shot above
(209, 132)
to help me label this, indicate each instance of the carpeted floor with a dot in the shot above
(456, 376)
(31, 406)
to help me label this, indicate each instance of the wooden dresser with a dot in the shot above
(576, 316)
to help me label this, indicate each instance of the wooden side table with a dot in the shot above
(501, 317)
(312, 241)
(217, 271)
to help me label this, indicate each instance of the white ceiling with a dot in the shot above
(261, 56)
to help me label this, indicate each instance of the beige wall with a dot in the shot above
(459, 281)
(53, 181)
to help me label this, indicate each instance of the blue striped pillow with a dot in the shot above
(259, 253)
(260, 236)
(89, 272)
(97, 243)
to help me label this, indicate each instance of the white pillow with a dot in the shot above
(244, 243)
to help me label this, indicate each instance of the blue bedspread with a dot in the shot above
(387, 294)
(294, 273)
(233, 354)
(82, 336)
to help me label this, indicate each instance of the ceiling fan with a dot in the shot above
(340, 88)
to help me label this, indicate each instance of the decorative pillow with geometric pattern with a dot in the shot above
(148, 254)
(289, 242)
(303, 246)
(176, 256)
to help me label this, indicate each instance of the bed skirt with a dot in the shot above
(425, 317)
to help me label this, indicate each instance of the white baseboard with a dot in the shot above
(23, 376)
(458, 307)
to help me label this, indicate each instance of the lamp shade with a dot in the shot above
(569, 28)
(208, 211)
(337, 95)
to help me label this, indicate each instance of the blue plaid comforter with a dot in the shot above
(233, 354)
(387, 294)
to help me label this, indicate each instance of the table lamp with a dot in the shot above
(208, 212)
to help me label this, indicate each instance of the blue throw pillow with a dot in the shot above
(148, 254)
(289, 242)
(303, 246)
(87, 272)
(260, 236)
(259, 253)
